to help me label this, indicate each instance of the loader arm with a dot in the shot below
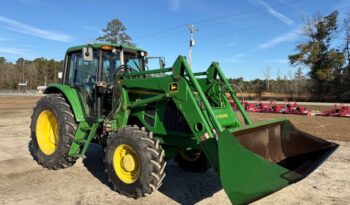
(253, 160)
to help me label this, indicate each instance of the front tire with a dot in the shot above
(52, 132)
(134, 162)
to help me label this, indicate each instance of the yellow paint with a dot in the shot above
(47, 132)
(173, 87)
(221, 116)
(126, 164)
(106, 48)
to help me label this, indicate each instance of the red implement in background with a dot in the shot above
(339, 110)
(273, 107)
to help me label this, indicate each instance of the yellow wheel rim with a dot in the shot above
(126, 164)
(47, 134)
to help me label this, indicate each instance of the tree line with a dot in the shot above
(37, 72)
(292, 86)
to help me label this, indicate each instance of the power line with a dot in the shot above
(222, 34)
(249, 28)
(225, 33)
(222, 17)
(164, 38)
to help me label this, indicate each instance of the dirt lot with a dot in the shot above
(22, 181)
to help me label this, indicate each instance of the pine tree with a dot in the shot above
(115, 32)
(325, 63)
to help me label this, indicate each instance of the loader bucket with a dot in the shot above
(260, 159)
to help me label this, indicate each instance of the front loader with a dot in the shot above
(144, 117)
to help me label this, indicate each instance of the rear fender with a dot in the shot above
(72, 97)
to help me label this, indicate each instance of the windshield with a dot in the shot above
(133, 61)
(111, 63)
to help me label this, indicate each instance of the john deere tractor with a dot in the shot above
(144, 117)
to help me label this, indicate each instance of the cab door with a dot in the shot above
(82, 75)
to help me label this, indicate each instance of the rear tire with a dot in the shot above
(53, 128)
(134, 162)
(193, 161)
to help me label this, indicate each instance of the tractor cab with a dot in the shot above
(93, 70)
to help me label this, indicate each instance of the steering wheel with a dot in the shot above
(121, 70)
(126, 69)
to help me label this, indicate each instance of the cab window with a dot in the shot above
(82, 72)
(133, 61)
(111, 62)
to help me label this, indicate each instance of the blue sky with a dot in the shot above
(245, 37)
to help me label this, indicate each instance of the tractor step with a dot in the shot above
(82, 139)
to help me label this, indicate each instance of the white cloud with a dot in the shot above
(236, 58)
(174, 5)
(231, 44)
(281, 61)
(12, 51)
(275, 13)
(290, 36)
(32, 31)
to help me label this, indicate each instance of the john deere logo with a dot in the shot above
(173, 87)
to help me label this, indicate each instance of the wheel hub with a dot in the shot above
(126, 163)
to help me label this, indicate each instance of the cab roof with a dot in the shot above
(99, 45)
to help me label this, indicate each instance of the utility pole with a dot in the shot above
(192, 30)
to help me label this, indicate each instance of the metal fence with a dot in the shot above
(9, 92)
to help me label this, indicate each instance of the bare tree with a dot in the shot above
(347, 38)
(267, 74)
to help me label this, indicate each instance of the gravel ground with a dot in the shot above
(22, 181)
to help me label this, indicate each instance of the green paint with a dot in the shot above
(79, 139)
(82, 139)
(89, 138)
(147, 101)
(71, 95)
(245, 176)
(98, 45)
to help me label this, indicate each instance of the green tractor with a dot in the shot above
(144, 117)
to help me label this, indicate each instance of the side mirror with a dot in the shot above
(162, 63)
(88, 54)
(60, 74)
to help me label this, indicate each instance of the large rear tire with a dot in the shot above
(52, 132)
(192, 160)
(134, 162)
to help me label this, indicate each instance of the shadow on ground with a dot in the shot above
(187, 187)
(95, 165)
(181, 186)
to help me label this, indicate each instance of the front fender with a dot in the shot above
(71, 95)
